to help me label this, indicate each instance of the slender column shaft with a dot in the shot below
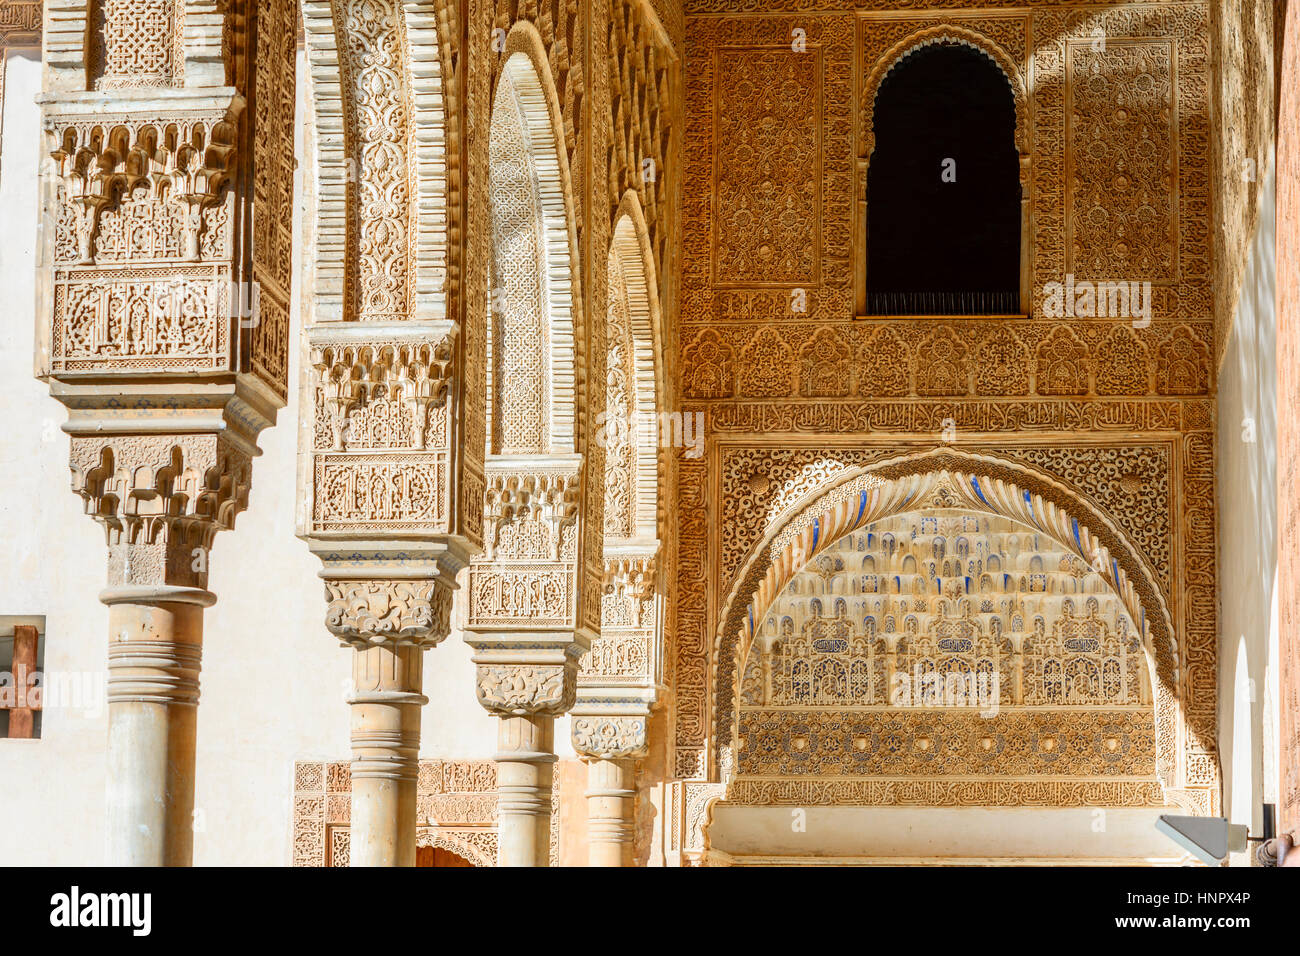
(525, 764)
(154, 652)
(385, 753)
(610, 799)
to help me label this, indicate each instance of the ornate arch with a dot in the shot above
(458, 844)
(618, 684)
(980, 483)
(331, 180)
(525, 85)
(435, 99)
(946, 34)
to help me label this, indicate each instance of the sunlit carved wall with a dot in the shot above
(795, 389)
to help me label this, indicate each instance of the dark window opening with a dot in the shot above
(943, 188)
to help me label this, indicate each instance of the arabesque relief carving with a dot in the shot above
(381, 436)
(456, 810)
(637, 207)
(610, 737)
(768, 364)
(523, 689)
(388, 611)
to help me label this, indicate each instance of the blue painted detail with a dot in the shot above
(817, 530)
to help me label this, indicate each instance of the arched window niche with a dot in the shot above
(945, 164)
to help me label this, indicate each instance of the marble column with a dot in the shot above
(386, 702)
(388, 622)
(525, 772)
(610, 746)
(526, 681)
(390, 556)
(611, 799)
(167, 388)
(532, 608)
(154, 650)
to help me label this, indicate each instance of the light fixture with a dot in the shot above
(1209, 839)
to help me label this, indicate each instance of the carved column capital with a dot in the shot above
(630, 572)
(161, 500)
(380, 488)
(530, 575)
(623, 662)
(527, 674)
(377, 385)
(390, 593)
(383, 452)
(609, 737)
(141, 337)
(369, 611)
(176, 145)
(525, 689)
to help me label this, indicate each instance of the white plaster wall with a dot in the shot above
(52, 558)
(273, 679)
(1247, 487)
